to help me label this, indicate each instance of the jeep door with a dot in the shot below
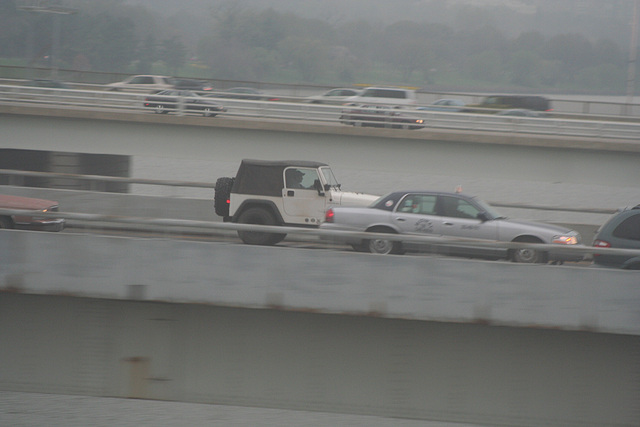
(301, 202)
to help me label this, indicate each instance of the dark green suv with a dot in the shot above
(621, 231)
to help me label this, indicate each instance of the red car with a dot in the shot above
(28, 221)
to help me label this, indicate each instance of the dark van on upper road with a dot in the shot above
(503, 102)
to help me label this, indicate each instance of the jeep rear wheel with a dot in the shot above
(221, 196)
(258, 216)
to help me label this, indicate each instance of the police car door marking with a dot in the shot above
(424, 226)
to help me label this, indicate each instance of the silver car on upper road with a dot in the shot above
(449, 215)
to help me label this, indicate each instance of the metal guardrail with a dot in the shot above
(160, 225)
(292, 108)
(102, 178)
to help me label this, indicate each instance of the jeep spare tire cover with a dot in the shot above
(221, 196)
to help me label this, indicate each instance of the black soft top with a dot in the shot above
(265, 177)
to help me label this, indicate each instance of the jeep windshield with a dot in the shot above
(329, 178)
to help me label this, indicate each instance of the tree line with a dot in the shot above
(238, 43)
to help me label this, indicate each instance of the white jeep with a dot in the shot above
(288, 192)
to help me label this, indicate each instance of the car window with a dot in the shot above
(629, 228)
(424, 204)
(384, 93)
(456, 208)
(329, 178)
(303, 178)
(141, 80)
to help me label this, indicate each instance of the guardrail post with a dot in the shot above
(181, 105)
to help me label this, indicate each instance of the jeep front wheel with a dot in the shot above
(258, 216)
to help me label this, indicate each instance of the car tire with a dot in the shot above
(222, 192)
(259, 216)
(634, 266)
(208, 112)
(383, 246)
(159, 109)
(528, 255)
(5, 222)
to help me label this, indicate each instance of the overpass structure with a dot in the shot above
(419, 337)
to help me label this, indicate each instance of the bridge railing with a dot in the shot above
(292, 108)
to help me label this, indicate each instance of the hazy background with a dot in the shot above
(561, 46)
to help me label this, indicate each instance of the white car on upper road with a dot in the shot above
(333, 96)
(143, 83)
(384, 95)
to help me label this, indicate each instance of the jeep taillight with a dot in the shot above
(328, 216)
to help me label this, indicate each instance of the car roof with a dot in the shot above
(438, 193)
(19, 202)
(389, 88)
(283, 163)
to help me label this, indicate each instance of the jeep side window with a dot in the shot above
(302, 178)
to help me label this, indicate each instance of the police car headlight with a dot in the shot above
(565, 240)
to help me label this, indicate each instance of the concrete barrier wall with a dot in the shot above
(328, 281)
(458, 372)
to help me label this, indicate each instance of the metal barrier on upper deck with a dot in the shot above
(293, 109)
